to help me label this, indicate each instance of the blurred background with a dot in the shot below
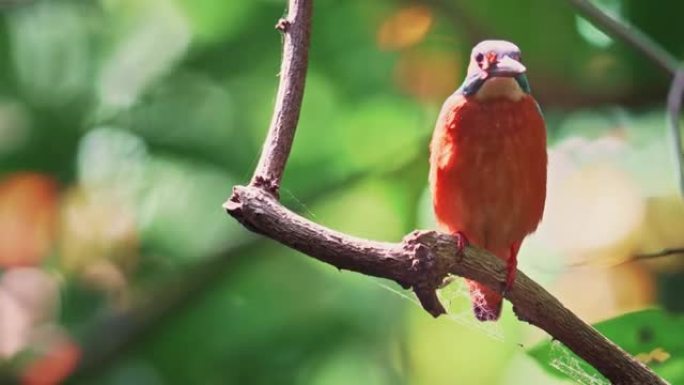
(124, 124)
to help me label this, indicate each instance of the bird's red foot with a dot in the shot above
(461, 241)
(511, 269)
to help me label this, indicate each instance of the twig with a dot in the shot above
(660, 253)
(296, 31)
(423, 259)
(627, 34)
(674, 104)
(656, 54)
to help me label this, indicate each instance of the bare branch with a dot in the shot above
(296, 32)
(660, 253)
(627, 34)
(424, 258)
(656, 54)
(674, 105)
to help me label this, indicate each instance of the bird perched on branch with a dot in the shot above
(488, 163)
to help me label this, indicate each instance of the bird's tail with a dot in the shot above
(487, 302)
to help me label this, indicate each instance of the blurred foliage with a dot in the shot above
(647, 335)
(124, 124)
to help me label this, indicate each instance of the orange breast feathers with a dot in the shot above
(488, 170)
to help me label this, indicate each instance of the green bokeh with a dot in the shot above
(164, 104)
(637, 333)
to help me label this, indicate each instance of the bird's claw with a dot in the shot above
(505, 290)
(461, 242)
(511, 269)
(446, 281)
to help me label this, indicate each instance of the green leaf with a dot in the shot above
(646, 334)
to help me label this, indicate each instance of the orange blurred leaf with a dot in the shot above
(658, 355)
(28, 211)
(405, 27)
(429, 76)
(54, 366)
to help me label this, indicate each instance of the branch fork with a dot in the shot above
(422, 259)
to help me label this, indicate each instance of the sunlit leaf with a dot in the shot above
(98, 227)
(100, 231)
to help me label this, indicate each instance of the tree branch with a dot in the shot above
(661, 253)
(674, 104)
(627, 34)
(424, 258)
(658, 56)
(296, 30)
(421, 261)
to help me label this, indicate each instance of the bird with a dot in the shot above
(488, 164)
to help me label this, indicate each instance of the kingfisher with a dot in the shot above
(488, 163)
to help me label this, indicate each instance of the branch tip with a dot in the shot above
(674, 106)
(233, 205)
(429, 301)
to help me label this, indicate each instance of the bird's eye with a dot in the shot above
(479, 57)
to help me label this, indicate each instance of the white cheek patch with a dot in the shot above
(500, 88)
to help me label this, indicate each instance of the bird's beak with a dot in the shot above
(506, 66)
